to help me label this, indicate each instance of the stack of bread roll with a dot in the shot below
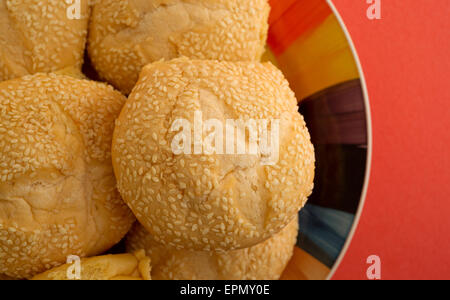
(81, 162)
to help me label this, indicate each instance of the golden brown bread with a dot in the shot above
(108, 267)
(37, 36)
(210, 202)
(126, 35)
(4, 277)
(58, 193)
(265, 261)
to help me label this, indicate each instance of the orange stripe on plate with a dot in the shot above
(278, 8)
(291, 18)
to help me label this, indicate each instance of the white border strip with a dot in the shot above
(369, 145)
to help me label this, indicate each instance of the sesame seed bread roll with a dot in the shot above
(38, 36)
(126, 35)
(108, 267)
(58, 193)
(208, 200)
(265, 261)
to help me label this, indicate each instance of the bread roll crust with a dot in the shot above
(4, 277)
(126, 35)
(56, 180)
(108, 267)
(37, 36)
(265, 261)
(210, 202)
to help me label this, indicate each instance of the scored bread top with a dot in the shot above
(210, 202)
(57, 185)
(124, 36)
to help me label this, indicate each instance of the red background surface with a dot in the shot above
(406, 217)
